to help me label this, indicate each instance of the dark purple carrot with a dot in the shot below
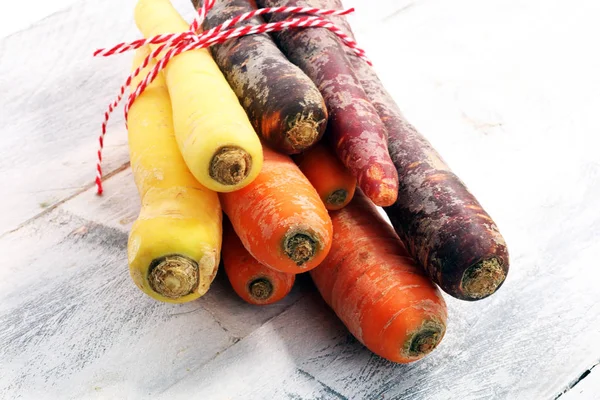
(442, 223)
(355, 130)
(284, 105)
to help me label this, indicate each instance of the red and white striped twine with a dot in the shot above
(177, 43)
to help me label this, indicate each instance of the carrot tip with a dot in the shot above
(483, 279)
(230, 165)
(173, 276)
(300, 247)
(424, 340)
(303, 132)
(385, 197)
(261, 289)
(337, 198)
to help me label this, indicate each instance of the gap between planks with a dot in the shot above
(59, 203)
(581, 379)
(238, 340)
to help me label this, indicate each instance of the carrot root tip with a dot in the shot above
(300, 247)
(230, 165)
(303, 132)
(337, 198)
(483, 279)
(424, 340)
(261, 289)
(174, 276)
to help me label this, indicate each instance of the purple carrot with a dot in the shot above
(355, 130)
(442, 224)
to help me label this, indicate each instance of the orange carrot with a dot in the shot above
(280, 217)
(252, 281)
(334, 183)
(376, 289)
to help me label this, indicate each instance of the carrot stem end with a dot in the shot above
(261, 289)
(174, 276)
(338, 197)
(483, 279)
(424, 340)
(303, 132)
(230, 165)
(300, 247)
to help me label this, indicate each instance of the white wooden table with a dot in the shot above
(507, 90)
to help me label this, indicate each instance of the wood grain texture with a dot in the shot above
(25, 14)
(73, 323)
(507, 91)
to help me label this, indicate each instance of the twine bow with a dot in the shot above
(177, 43)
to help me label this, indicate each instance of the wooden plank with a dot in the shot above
(479, 358)
(117, 208)
(74, 323)
(269, 362)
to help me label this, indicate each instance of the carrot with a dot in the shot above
(443, 225)
(283, 104)
(376, 289)
(174, 246)
(252, 281)
(355, 130)
(213, 132)
(279, 217)
(334, 183)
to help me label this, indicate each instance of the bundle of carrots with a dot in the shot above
(295, 140)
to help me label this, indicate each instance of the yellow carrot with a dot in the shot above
(215, 137)
(175, 244)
